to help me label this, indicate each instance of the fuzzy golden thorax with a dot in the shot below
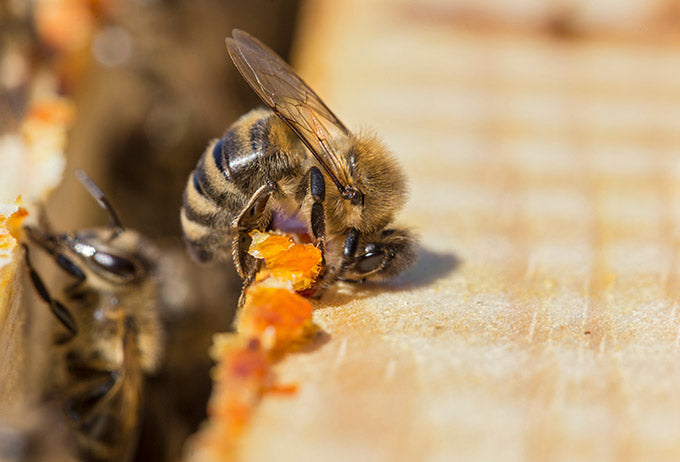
(376, 173)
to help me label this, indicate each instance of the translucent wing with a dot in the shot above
(293, 101)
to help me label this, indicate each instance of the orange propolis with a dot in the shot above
(274, 319)
(285, 260)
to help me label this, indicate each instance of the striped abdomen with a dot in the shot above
(257, 148)
(103, 405)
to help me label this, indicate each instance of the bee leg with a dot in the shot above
(247, 281)
(58, 309)
(48, 243)
(348, 252)
(317, 188)
(80, 403)
(248, 219)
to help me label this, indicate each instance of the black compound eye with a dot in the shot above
(370, 262)
(67, 265)
(114, 264)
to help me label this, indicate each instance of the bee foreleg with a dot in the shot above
(349, 250)
(58, 309)
(248, 219)
(336, 273)
(247, 281)
(317, 189)
(48, 243)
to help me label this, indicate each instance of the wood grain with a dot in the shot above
(541, 321)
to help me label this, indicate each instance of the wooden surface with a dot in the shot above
(12, 320)
(541, 321)
(31, 164)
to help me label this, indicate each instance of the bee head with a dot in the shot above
(98, 254)
(381, 255)
(378, 188)
(110, 255)
(379, 178)
(118, 257)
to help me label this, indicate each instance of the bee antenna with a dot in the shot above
(93, 189)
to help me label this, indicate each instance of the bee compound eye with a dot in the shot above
(67, 265)
(370, 262)
(114, 264)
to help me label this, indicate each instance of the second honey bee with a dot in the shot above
(274, 165)
(111, 334)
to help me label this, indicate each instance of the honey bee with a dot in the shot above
(273, 165)
(112, 335)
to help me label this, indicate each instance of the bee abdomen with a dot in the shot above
(230, 170)
(103, 411)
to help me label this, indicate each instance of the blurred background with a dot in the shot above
(542, 140)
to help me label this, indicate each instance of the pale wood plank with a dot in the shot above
(550, 169)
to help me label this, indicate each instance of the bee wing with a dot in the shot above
(277, 84)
